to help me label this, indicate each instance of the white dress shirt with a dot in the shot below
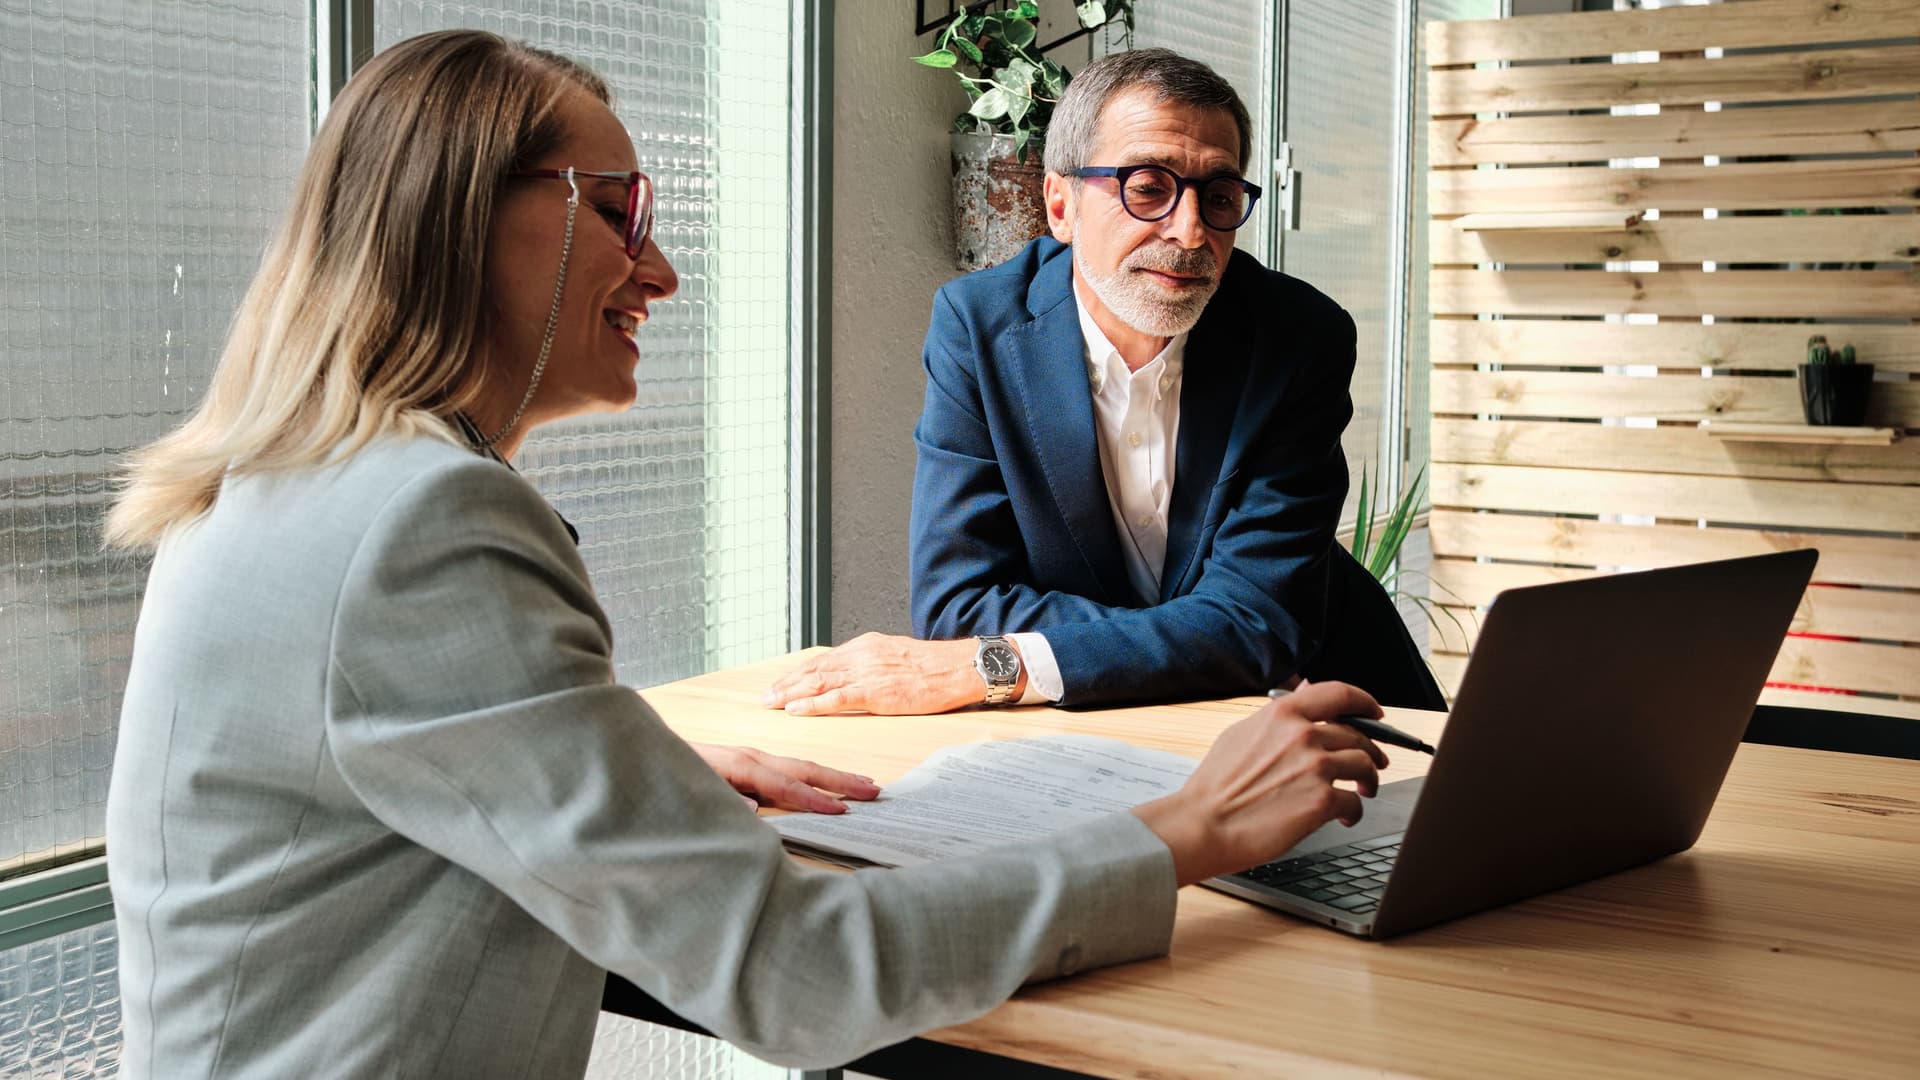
(1137, 419)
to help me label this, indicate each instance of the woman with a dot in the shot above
(379, 806)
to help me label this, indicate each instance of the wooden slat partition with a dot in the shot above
(1800, 185)
(1834, 73)
(1863, 238)
(1773, 194)
(1763, 399)
(1799, 504)
(1667, 449)
(1869, 669)
(1832, 294)
(1848, 612)
(1757, 23)
(1844, 560)
(1680, 345)
(1875, 127)
(1450, 666)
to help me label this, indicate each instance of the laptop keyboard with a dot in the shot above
(1350, 877)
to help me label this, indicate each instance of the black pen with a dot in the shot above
(1377, 730)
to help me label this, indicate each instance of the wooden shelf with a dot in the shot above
(1549, 221)
(1735, 431)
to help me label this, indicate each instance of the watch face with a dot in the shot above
(998, 662)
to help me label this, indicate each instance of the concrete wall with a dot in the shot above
(891, 251)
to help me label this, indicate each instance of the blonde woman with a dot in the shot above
(380, 808)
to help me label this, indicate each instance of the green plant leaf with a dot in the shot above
(1018, 76)
(1017, 106)
(1021, 136)
(992, 105)
(1019, 33)
(1362, 522)
(1027, 10)
(971, 50)
(1398, 525)
(1092, 13)
(1053, 78)
(938, 58)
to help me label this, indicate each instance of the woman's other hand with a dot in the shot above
(1268, 781)
(765, 779)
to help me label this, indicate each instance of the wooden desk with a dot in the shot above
(1787, 942)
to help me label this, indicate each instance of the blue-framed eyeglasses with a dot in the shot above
(1151, 192)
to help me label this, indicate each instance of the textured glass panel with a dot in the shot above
(145, 150)
(60, 1006)
(1232, 37)
(681, 501)
(629, 1049)
(1419, 358)
(1342, 104)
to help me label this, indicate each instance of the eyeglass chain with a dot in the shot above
(553, 318)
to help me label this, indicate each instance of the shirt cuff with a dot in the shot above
(1043, 671)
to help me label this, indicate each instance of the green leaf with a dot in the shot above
(1017, 106)
(1092, 13)
(1398, 526)
(973, 24)
(991, 106)
(1019, 33)
(968, 47)
(1053, 78)
(1021, 136)
(938, 58)
(1362, 523)
(1027, 10)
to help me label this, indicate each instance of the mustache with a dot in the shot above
(1187, 262)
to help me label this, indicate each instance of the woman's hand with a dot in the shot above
(787, 783)
(1268, 781)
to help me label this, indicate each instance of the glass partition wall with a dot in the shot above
(146, 151)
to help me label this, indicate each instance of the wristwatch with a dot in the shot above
(999, 665)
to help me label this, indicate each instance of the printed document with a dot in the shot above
(965, 799)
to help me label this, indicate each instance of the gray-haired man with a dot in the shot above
(1129, 464)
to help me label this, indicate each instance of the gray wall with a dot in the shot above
(891, 251)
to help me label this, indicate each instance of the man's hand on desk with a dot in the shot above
(787, 783)
(888, 676)
(1267, 782)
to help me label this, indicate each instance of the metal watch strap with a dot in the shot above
(999, 690)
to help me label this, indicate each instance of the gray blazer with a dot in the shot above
(379, 809)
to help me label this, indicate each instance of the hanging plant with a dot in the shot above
(1011, 87)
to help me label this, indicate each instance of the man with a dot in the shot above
(1129, 457)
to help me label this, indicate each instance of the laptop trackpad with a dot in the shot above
(1383, 814)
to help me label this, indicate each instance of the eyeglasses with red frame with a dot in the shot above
(639, 223)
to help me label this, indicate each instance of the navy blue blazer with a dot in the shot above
(1011, 527)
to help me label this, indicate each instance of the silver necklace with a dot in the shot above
(553, 320)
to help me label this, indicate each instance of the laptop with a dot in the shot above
(1592, 729)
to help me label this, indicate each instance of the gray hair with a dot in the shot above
(1075, 128)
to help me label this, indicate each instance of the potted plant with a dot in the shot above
(1833, 388)
(1011, 89)
(1379, 553)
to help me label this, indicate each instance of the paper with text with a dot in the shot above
(965, 799)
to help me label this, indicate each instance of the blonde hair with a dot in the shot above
(367, 313)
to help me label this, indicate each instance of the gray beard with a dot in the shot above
(1140, 303)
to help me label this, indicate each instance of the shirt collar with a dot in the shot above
(1102, 358)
